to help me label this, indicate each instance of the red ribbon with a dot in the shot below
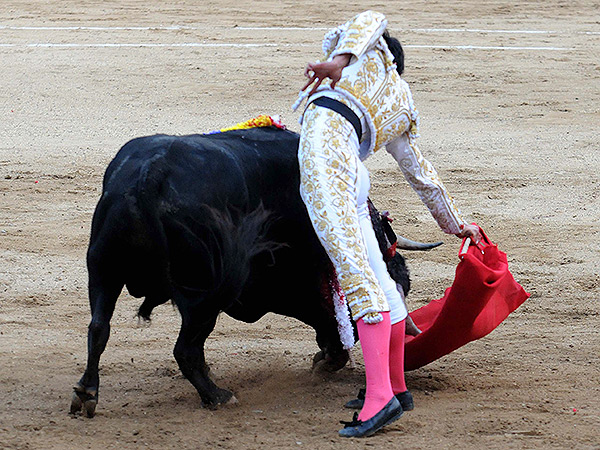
(391, 252)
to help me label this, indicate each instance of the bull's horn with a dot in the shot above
(407, 244)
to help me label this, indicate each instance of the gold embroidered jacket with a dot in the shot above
(372, 87)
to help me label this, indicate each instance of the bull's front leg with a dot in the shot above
(332, 356)
(102, 301)
(196, 325)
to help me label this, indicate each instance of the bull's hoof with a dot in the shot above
(411, 328)
(320, 367)
(232, 401)
(319, 356)
(84, 399)
(90, 407)
(76, 404)
(323, 363)
(221, 398)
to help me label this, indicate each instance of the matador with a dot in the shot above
(357, 105)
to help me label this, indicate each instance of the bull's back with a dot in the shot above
(234, 166)
(157, 188)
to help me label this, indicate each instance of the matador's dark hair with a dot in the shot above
(396, 49)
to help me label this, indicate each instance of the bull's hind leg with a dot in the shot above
(196, 324)
(103, 297)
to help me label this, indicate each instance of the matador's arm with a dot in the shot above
(424, 179)
(357, 36)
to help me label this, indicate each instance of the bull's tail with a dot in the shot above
(229, 242)
(149, 272)
(199, 251)
(210, 256)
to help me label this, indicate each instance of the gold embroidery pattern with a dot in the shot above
(328, 177)
(383, 94)
(357, 35)
(372, 84)
(371, 80)
(423, 177)
(387, 101)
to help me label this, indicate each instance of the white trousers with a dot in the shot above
(334, 185)
(393, 295)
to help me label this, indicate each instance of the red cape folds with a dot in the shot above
(483, 294)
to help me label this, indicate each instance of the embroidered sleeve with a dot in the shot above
(423, 178)
(356, 36)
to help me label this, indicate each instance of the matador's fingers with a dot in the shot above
(308, 70)
(310, 81)
(317, 84)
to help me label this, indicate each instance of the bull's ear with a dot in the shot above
(388, 230)
(371, 205)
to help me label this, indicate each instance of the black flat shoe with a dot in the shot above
(388, 414)
(405, 398)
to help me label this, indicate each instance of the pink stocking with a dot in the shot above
(375, 344)
(397, 357)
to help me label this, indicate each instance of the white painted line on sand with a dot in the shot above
(149, 44)
(260, 45)
(484, 47)
(479, 30)
(90, 28)
(426, 30)
(283, 28)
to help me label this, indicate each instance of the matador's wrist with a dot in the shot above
(342, 60)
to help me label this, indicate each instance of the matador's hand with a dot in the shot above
(470, 231)
(317, 72)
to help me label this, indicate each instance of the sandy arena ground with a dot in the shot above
(513, 131)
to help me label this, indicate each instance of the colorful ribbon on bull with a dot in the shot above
(260, 121)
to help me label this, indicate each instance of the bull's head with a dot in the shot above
(389, 242)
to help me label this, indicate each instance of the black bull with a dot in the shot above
(216, 224)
